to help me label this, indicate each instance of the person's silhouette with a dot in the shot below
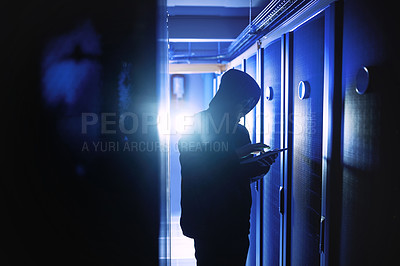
(215, 192)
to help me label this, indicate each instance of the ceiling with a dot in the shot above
(216, 3)
(237, 8)
(196, 27)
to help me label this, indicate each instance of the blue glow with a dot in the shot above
(64, 45)
(70, 70)
(124, 87)
(63, 80)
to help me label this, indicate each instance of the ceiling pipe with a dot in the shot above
(250, 5)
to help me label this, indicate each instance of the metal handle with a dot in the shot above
(281, 202)
(322, 235)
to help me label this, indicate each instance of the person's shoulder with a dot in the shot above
(242, 135)
(241, 130)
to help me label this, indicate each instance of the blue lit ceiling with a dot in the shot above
(196, 28)
(225, 3)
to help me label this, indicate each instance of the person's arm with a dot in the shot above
(203, 163)
(206, 160)
(257, 169)
(260, 168)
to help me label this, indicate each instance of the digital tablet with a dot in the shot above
(262, 156)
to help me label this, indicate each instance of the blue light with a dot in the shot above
(124, 87)
(63, 80)
(70, 70)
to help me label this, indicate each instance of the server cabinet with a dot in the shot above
(340, 163)
(307, 91)
(369, 226)
(250, 120)
(239, 67)
(250, 67)
(271, 116)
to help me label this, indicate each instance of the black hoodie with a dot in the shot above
(215, 188)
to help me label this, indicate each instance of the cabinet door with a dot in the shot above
(308, 69)
(369, 197)
(250, 120)
(272, 117)
(251, 69)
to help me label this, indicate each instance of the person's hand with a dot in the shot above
(263, 167)
(268, 161)
(249, 148)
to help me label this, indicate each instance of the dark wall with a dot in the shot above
(60, 203)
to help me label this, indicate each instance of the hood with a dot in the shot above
(236, 87)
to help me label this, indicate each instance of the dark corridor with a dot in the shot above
(91, 177)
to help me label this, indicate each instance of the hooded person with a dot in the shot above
(215, 187)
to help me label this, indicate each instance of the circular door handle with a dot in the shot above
(362, 80)
(269, 93)
(303, 90)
